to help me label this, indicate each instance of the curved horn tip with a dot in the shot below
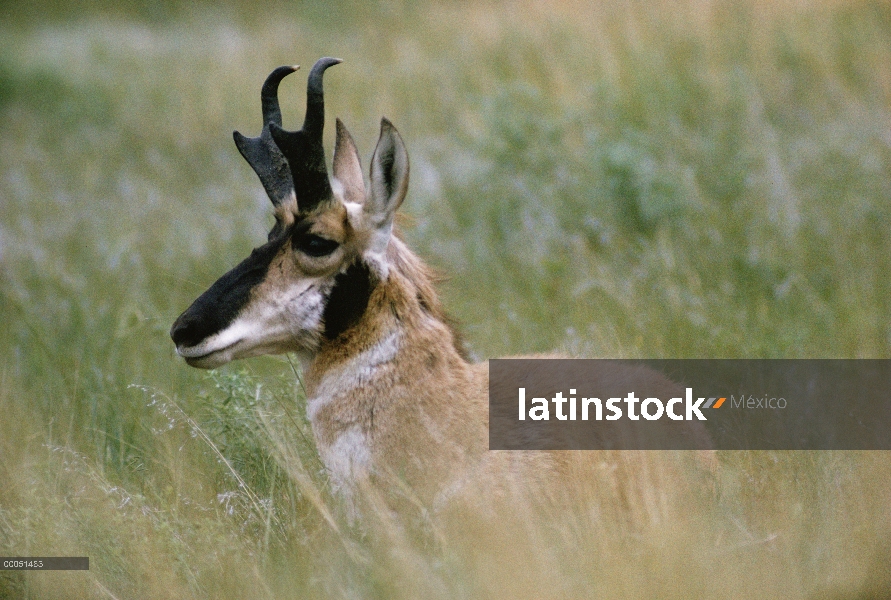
(325, 62)
(280, 73)
(270, 86)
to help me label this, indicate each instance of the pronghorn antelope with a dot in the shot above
(390, 391)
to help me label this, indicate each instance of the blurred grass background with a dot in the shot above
(682, 178)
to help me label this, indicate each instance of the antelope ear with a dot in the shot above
(347, 168)
(389, 180)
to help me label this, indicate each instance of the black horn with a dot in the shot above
(303, 149)
(261, 152)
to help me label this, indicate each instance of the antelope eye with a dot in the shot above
(313, 245)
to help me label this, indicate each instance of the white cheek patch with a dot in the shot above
(299, 307)
(356, 373)
(290, 319)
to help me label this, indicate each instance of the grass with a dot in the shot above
(672, 179)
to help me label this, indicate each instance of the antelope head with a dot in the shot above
(311, 280)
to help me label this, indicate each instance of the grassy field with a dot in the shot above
(641, 179)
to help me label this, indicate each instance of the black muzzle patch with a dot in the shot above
(217, 308)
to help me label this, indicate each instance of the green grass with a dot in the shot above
(687, 179)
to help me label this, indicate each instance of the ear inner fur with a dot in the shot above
(389, 176)
(347, 166)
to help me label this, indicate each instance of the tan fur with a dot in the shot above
(286, 212)
(424, 413)
(396, 408)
